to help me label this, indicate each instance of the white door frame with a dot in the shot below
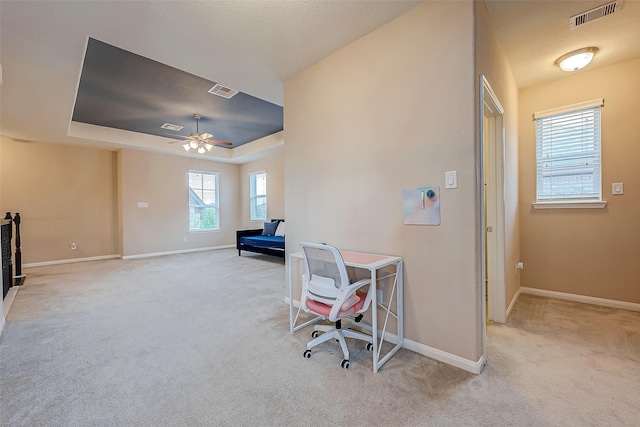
(492, 206)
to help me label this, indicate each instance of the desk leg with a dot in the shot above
(374, 318)
(398, 287)
(400, 302)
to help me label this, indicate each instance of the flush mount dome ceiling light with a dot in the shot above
(573, 61)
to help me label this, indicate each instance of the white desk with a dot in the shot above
(372, 263)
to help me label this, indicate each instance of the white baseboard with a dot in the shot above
(71, 260)
(425, 350)
(6, 305)
(181, 251)
(582, 298)
(448, 358)
(147, 255)
(513, 303)
(296, 303)
(8, 300)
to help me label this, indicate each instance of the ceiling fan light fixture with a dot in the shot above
(577, 59)
(200, 142)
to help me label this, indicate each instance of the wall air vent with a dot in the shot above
(223, 91)
(171, 127)
(593, 14)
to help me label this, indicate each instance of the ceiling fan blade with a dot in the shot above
(182, 140)
(216, 142)
(197, 139)
(174, 138)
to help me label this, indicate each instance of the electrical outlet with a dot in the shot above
(185, 239)
(73, 246)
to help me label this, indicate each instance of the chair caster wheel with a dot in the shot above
(307, 354)
(314, 334)
(345, 364)
(369, 346)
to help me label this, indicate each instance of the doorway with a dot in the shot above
(492, 187)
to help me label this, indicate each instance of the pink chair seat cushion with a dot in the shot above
(325, 309)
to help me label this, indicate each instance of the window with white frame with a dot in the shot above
(258, 190)
(203, 201)
(568, 154)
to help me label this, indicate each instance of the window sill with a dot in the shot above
(570, 205)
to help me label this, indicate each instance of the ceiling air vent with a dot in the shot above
(171, 127)
(223, 91)
(593, 14)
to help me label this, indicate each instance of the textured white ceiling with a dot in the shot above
(252, 46)
(536, 33)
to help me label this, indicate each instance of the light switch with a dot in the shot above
(451, 179)
(617, 188)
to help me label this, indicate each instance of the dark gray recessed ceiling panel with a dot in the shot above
(123, 90)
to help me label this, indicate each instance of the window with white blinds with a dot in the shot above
(258, 193)
(568, 155)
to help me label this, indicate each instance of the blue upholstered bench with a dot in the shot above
(256, 241)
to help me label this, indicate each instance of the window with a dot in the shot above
(258, 190)
(203, 201)
(568, 154)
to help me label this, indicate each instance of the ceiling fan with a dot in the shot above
(201, 142)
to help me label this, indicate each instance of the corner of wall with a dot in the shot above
(118, 202)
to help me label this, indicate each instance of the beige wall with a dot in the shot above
(71, 194)
(161, 181)
(274, 166)
(394, 110)
(491, 62)
(591, 252)
(64, 194)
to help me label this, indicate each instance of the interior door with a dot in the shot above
(493, 204)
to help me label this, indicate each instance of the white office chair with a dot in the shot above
(328, 292)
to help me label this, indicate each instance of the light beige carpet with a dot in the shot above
(202, 339)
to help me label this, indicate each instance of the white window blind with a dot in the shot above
(568, 155)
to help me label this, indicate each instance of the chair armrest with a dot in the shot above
(353, 287)
(345, 294)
